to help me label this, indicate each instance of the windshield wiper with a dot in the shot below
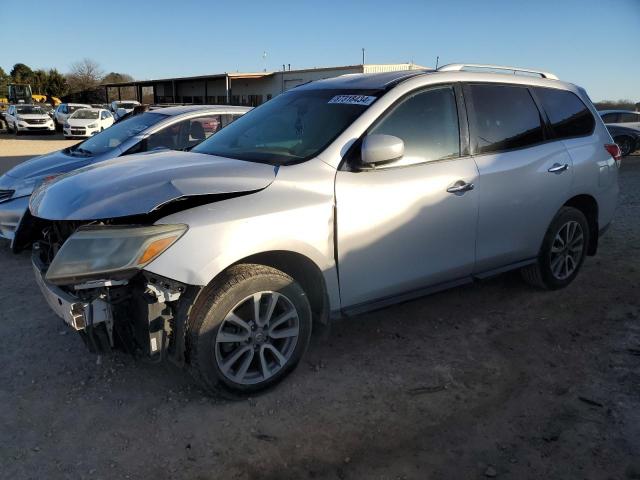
(82, 151)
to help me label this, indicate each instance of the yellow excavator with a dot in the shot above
(22, 93)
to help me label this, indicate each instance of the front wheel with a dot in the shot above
(563, 250)
(248, 330)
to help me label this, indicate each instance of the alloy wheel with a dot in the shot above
(566, 250)
(257, 338)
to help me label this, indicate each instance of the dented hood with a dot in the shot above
(139, 184)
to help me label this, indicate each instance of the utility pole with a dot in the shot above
(363, 50)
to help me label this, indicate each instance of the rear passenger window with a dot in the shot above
(610, 118)
(503, 118)
(569, 117)
(427, 122)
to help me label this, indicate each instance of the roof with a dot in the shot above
(181, 109)
(245, 75)
(365, 81)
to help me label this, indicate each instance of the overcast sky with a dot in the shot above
(593, 43)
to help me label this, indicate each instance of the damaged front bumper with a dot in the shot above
(143, 316)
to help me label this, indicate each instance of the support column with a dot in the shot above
(173, 91)
(227, 88)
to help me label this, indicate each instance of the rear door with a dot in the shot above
(524, 176)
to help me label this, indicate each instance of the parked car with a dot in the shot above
(121, 108)
(621, 118)
(64, 110)
(28, 118)
(628, 139)
(334, 198)
(173, 127)
(86, 122)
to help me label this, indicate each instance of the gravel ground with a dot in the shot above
(489, 380)
(15, 149)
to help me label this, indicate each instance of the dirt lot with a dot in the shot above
(492, 379)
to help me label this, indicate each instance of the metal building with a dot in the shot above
(249, 89)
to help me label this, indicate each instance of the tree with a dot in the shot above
(39, 81)
(56, 84)
(84, 75)
(114, 77)
(21, 73)
(4, 83)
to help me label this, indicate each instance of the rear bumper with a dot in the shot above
(11, 213)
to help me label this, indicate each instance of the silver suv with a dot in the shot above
(337, 197)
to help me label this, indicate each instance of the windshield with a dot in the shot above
(294, 126)
(73, 108)
(31, 110)
(85, 114)
(128, 106)
(118, 133)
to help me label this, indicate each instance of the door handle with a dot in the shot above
(557, 168)
(460, 187)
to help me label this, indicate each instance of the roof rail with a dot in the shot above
(456, 67)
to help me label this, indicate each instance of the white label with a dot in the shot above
(353, 99)
(154, 344)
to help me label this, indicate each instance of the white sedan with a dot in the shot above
(87, 122)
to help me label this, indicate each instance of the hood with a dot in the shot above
(34, 116)
(138, 184)
(50, 164)
(81, 122)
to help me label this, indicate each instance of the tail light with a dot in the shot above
(614, 151)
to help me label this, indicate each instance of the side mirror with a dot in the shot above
(379, 148)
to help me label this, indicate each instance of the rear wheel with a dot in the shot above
(625, 143)
(563, 250)
(248, 330)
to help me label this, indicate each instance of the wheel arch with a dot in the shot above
(588, 205)
(303, 270)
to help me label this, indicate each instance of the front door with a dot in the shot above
(398, 227)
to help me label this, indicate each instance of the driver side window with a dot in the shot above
(427, 122)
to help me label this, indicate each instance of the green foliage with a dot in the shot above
(83, 80)
(56, 84)
(21, 73)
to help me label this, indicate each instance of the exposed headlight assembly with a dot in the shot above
(98, 252)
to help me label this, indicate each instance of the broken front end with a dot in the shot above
(92, 276)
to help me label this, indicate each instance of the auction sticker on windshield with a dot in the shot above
(353, 99)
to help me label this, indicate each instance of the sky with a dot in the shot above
(593, 43)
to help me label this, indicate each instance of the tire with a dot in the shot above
(625, 143)
(552, 270)
(16, 131)
(230, 351)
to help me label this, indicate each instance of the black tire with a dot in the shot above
(540, 274)
(16, 131)
(625, 143)
(211, 308)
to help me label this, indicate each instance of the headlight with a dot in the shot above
(19, 118)
(93, 125)
(66, 125)
(108, 252)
